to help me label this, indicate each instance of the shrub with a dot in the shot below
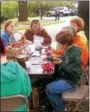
(9, 9)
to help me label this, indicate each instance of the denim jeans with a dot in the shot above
(54, 92)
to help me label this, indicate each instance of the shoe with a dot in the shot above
(54, 111)
(65, 110)
(43, 108)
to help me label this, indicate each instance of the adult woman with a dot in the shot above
(14, 79)
(7, 33)
(37, 30)
(67, 72)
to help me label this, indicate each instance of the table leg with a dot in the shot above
(35, 98)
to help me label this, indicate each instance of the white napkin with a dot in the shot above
(38, 39)
(31, 48)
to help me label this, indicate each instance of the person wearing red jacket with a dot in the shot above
(36, 29)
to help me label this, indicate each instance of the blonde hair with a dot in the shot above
(7, 23)
(79, 22)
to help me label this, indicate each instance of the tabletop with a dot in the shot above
(33, 67)
(37, 58)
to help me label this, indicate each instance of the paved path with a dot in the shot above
(52, 18)
(54, 29)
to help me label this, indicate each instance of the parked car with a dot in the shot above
(52, 11)
(73, 11)
(62, 11)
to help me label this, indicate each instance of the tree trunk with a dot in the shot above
(23, 11)
(83, 8)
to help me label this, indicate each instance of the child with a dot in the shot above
(80, 39)
(67, 73)
(81, 43)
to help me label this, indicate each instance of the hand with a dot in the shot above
(27, 41)
(9, 47)
(57, 60)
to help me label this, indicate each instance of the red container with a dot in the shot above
(48, 66)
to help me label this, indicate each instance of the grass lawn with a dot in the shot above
(24, 25)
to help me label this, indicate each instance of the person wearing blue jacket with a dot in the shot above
(7, 34)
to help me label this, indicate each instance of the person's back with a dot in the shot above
(83, 36)
(14, 81)
(81, 42)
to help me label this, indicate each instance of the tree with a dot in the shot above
(8, 9)
(23, 11)
(83, 9)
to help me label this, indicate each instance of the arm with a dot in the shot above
(4, 39)
(13, 39)
(73, 68)
(47, 38)
(84, 51)
(28, 35)
(26, 82)
(84, 56)
(59, 52)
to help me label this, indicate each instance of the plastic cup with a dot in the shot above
(28, 66)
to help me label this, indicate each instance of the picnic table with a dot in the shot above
(36, 72)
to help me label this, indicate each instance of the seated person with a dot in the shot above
(78, 23)
(7, 33)
(81, 40)
(36, 29)
(68, 71)
(14, 79)
(78, 40)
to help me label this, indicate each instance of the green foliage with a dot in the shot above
(9, 9)
(34, 6)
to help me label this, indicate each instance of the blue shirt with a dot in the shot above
(6, 38)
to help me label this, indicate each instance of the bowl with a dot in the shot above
(22, 59)
(47, 66)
